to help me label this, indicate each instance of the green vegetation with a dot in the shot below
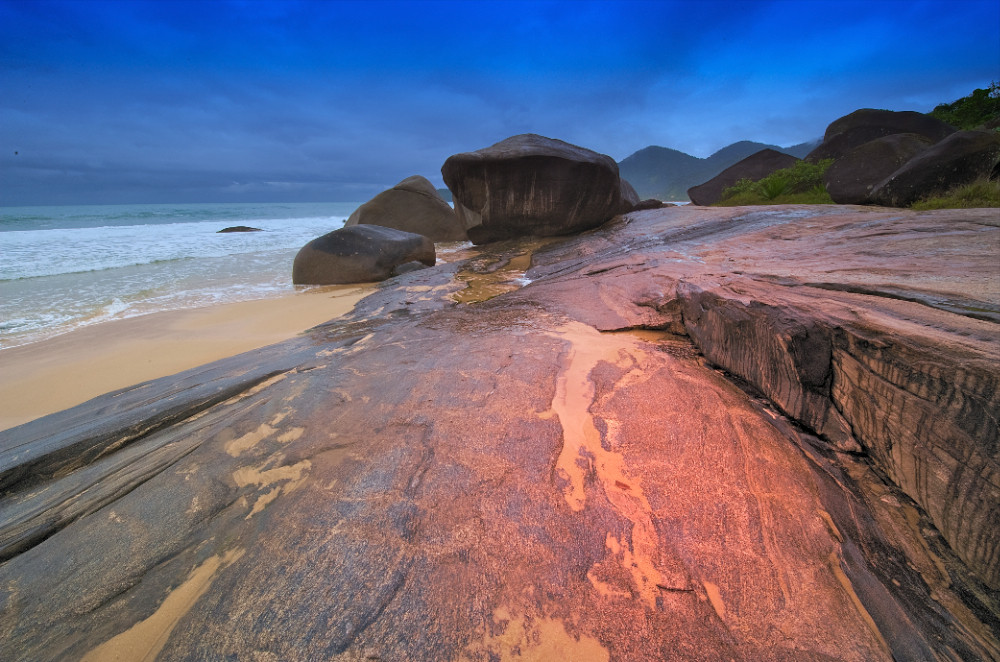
(982, 193)
(974, 111)
(802, 184)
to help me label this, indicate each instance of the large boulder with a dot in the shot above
(851, 178)
(413, 205)
(756, 166)
(360, 254)
(629, 196)
(867, 124)
(961, 158)
(530, 185)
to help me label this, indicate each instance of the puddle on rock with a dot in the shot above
(497, 269)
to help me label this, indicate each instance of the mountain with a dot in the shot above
(667, 174)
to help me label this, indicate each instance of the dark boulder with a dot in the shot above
(650, 203)
(756, 166)
(238, 228)
(629, 197)
(851, 178)
(413, 205)
(360, 254)
(529, 185)
(961, 158)
(867, 124)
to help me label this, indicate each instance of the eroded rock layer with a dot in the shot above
(442, 476)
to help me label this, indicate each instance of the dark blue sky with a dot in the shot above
(107, 102)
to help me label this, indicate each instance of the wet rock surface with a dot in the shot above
(751, 434)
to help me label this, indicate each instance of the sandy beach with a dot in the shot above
(64, 371)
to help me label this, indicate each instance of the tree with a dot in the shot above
(980, 108)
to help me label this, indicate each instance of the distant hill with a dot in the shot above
(667, 174)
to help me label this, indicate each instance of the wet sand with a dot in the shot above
(61, 372)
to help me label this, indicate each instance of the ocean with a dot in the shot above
(65, 267)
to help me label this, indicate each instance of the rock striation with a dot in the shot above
(360, 254)
(530, 185)
(754, 167)
(414, 206)
(752, 434)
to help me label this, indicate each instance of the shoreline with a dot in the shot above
(57, 373)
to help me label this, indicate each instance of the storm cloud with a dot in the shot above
(107, 102)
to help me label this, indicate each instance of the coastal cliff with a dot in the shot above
(741, 433)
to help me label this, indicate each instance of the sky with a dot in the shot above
(259, 101)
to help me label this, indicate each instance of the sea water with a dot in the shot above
(65, 267)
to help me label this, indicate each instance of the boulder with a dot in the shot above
(360, 254)
(851, 178)
(961, 158)
(413, 205)
(530, 185)
(867, 124)
(756, 166)
(629, 197)
(650, 203)
(238, 228)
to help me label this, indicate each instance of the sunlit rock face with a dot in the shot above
(415, 206)
(530, 185)
(692, 434)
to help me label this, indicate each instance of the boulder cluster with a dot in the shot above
(893, 159)
(530, 185)
(526, 185)
(880, 157)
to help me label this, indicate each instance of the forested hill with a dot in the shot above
(667, 174)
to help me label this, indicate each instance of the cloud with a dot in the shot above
(342, 99)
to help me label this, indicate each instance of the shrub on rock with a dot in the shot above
(530, 185)
(360, 254)
(754, 167)
(413, 205)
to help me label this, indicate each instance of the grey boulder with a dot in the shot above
(360, 254)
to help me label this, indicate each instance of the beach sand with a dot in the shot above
(64, 371)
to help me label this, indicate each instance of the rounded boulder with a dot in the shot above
(852, 178)
(961, 158)
(413, 205)
(360, 254)
(867, 124)
(530, 185)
